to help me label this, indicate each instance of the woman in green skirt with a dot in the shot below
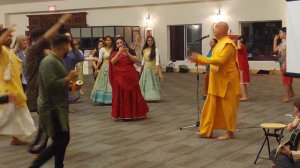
(151, 74)
(102, 92)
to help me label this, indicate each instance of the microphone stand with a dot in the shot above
(197, 124)
(198, 104)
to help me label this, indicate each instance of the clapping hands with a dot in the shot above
(193, 57)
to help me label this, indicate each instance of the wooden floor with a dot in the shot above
(98, 141)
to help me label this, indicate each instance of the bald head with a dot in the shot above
(221, 30)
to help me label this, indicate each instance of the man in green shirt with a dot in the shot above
(53, 102)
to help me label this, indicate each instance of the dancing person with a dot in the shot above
(70, 60)
(212, 44)
(127, 100)
(137, 47)
(35, 54)
(96, 69)
(151, 72)
(53, 102)
(281, 50)
(20, 47)
(15, 118)
(283, 157)
(221, 105)
(244, 67)
(102, 91)
(79, 65)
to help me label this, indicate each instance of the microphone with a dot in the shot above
(202, 38)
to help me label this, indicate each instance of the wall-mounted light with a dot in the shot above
(148, 21)
(219, 17)
(219, 12)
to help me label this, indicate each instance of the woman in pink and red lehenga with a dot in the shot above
(127, 99)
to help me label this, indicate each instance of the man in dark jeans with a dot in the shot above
(286, 158)
(53, 102)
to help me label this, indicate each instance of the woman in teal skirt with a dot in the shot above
(102, 92)
(151, 74)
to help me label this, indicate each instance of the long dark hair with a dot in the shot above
(71, 42)
(97, 50)
(283, 29)
(152, 53)
(242, 39)
(112, 41)
(130, 50)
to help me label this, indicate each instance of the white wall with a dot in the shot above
(163, 13)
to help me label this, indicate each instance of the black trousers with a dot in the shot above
(56, 149)
(39, 143)
(283, 161)
(60, 141)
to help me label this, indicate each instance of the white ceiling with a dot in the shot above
(6, 2)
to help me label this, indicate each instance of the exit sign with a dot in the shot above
(52, 8)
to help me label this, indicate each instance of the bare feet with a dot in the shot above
(202, 136)
(227, 135)
(71, 111)
(244, 98)
(286, 99)
(293, 94)
(34, 156)
(16, 141)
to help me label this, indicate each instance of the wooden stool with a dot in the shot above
(278, 134)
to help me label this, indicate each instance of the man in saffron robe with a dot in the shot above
(220, 108)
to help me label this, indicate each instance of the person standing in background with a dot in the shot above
(70, 60)
(73, 57)
(100, 44)
(137, 47)
(20, 47)
(212, 44)
(244, 67)
(79, 65)
(281, 50)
